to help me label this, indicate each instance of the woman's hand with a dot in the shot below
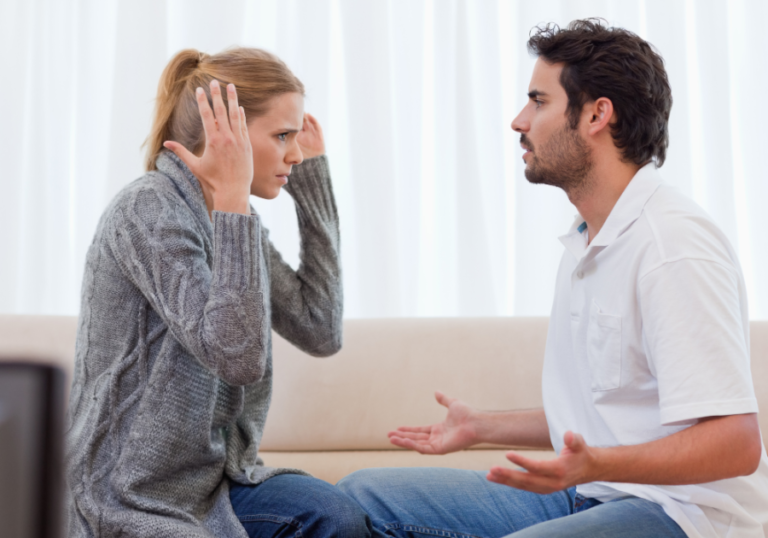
(310, 138)
(225, 169)
(456, 432)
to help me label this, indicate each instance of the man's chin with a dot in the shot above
(534, 177)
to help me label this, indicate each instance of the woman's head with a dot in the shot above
(262, 81)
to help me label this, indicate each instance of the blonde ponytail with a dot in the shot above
(258, 76)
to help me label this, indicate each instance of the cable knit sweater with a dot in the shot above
(173, 370)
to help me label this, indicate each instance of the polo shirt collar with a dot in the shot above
(627, 210)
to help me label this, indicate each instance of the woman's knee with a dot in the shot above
(342, 516)
(331, 512)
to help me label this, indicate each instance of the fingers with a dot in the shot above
(422, 448)
(574, 442)
(187, 157)
(523, 480)
(243, 123)
(315, 126)
(409, 435)
(520, 480)
(310, 122)
(209, 123)
(544, 468)
(443, 400)
(424, 429)
(234, 109)
(219, 109)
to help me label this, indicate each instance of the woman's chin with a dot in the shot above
(267, 194)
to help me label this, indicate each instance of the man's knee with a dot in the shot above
(359, 483)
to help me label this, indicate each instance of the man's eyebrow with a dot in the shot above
(536, 93)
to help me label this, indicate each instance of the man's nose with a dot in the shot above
(520, 124)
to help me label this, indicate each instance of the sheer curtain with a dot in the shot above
(415, 97)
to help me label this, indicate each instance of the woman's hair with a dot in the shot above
(257, 75)
(617, 64)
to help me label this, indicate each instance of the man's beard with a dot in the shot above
(565, 161)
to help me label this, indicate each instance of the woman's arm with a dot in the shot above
(215, 309)
(217, 312)
(307, 303)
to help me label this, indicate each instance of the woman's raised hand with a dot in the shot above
(456, 432)
(225, 169)
(310, 139)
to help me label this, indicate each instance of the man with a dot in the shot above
(648, 398)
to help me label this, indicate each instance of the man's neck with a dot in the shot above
(603, 189)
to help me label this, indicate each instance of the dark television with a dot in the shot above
(31, 432)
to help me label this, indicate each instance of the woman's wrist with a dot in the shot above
(232, 204)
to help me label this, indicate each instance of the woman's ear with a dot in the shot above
(601, 111)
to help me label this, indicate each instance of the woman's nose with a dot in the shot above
(294, 155)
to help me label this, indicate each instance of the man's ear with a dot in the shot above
(600, 114)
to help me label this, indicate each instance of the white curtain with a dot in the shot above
(415, 97)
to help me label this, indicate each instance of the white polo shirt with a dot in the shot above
(649, 332)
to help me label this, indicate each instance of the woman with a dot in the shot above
(181, 290)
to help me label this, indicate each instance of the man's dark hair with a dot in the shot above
(614, 63)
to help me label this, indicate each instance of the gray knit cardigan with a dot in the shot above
(173, 370)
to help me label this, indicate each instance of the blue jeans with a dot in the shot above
(293, 506)
(419, 502)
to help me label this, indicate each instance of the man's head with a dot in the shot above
(592, 80)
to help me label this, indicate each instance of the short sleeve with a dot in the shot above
(696, 339)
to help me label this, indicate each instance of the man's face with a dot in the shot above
(555, 153)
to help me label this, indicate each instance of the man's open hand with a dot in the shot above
(456, 432)
(576, 464)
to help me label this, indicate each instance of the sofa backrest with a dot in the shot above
(387, 372)
(384, 376)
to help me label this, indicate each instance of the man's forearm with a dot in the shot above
(714, 449)
(523, 428)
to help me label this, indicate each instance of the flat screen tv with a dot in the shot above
(31, 430)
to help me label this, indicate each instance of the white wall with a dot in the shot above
(416, 98)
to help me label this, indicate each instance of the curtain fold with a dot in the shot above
(415, 98)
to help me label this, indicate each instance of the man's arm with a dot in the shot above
(715, 448)
(465, 426)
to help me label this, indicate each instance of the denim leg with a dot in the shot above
(293, 506)
(628, 517)
(419, 502)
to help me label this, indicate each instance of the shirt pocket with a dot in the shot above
(604, 349)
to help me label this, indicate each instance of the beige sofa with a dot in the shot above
(331, 416)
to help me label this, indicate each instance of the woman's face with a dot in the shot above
(273, 139)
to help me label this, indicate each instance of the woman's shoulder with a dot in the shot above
(145, 199)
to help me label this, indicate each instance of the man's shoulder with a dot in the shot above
(681, 229)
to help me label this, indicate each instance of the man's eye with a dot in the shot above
(538, 102)
(282, 136)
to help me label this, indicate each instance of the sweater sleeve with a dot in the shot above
(307, 304)
(215, 309)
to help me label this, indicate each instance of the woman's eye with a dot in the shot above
(282, 136)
